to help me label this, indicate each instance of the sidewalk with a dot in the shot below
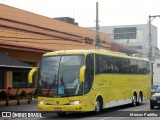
(14, 102)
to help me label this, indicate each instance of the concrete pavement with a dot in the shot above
(5, 103)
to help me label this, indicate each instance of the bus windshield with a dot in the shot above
(59, 76)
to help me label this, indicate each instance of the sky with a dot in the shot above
(111, 12)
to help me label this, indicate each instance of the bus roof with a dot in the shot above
(98, 51)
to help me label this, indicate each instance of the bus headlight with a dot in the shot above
(42, 102)
(76, 102)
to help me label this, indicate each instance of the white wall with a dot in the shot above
(156, 71)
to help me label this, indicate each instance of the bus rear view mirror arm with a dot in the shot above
(31, 73)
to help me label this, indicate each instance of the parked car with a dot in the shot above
(155, 99)
(153, 88)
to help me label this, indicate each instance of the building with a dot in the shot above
(134, 36)
(15, 63)
(67, 20)
(25, 37)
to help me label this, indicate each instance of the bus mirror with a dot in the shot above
(31, 73)
(82, 73)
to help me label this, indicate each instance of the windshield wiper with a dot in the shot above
(52, 84)
(62, 82)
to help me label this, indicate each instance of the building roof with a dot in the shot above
(7, 61)
(28, 29)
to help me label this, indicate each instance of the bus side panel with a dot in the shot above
(118, 89)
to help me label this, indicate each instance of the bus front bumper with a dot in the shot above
(61, 108)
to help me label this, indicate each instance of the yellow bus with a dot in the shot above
(90, 80)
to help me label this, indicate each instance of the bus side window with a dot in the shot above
(98, 64)
(110, 68)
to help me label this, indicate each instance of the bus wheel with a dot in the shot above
(98, 105)
(61, 114)
(134, 100)
(140, 99)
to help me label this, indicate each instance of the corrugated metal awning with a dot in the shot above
(8, 62)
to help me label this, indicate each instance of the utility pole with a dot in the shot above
(97, 27)
(150, 49)
(151, 17)
(150, 40)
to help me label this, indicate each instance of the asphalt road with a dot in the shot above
(125, 112)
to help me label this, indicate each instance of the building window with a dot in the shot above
(20, 79)
(125, 33)
(1, 79)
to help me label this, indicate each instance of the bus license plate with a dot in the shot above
(57, 109)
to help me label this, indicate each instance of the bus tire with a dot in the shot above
(134, 100)
(98, 105)
(140, 99)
